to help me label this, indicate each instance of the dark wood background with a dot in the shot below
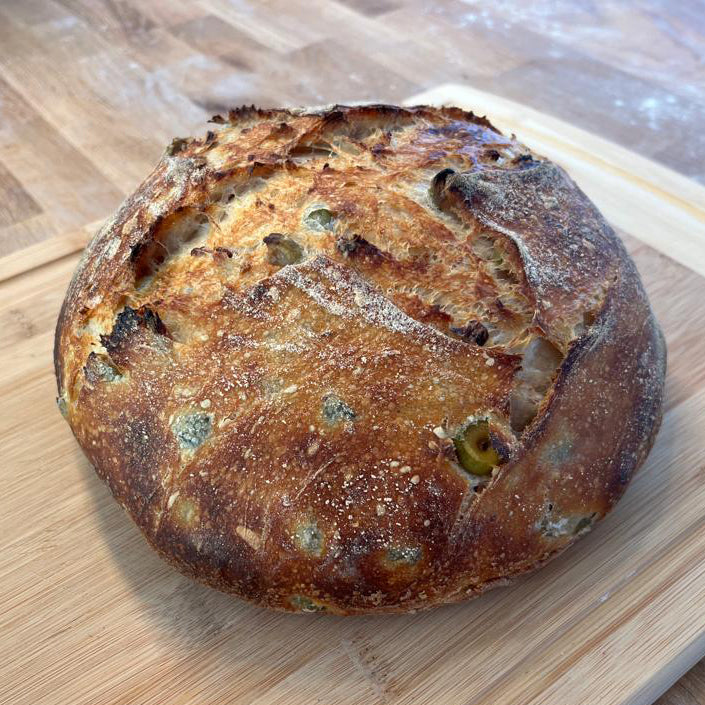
(91, 91)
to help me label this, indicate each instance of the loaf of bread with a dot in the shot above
(359, 359)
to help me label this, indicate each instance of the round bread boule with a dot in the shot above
(359, 359)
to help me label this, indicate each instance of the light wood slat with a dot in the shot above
(91, 91)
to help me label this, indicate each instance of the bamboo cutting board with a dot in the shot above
(91, 615)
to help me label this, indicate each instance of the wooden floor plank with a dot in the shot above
(16, 204)
(70, 188)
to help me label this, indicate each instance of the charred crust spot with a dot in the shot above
(248, 112)
(200, 251)
(524, 160)
(128, 321)
(493, 154)
(218, 120)
(151, 320)
(223, 252)
(474, 332)
(357, 246)
(178, 144)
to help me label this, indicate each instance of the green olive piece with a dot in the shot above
(282, 250)
(474, 449)
(320, 219)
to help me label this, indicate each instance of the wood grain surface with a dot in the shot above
(90, 93)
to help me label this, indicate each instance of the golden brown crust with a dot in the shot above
(267, 351)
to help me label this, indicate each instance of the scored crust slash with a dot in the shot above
(360, 358)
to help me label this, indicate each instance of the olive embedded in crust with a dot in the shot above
(474, 448)
(282, 250)
(319, 219)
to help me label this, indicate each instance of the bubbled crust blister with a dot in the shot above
(267, 352)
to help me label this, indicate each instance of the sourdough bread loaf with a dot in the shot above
(360, 358)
